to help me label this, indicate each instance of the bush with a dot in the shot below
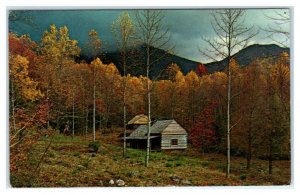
(169, 164)
(94, 146)
(204, 163)
(243, 177)
(177, 164)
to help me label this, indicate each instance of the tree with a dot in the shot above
(58, 52)
(232, 36)
(22, 86)
(151, 33)
(94, 64)
(123, 30)
(251, 100)
(279, 31)
(193, 83)
(277, 127)
(202, 133)
(28, 108)
(95, 45)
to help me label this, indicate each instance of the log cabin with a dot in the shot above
(164, 135)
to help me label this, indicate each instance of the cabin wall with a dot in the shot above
(166, 141)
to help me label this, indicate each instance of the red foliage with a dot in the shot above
(202, 134)
(27, 132)
(201, 70)
(41, 117)
(23, 46)
(100, 106)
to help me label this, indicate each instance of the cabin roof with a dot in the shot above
(159, 127)
(140, 119)
(141, 131)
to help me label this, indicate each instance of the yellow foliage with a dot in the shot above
(20, 78)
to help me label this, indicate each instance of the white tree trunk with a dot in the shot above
(94, 109)
(149, 107)
(73, 122)
(124, 125)
(228, 120)
(86, 121)
(13, 106)
(48, 111)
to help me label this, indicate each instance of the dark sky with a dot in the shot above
(187, 27)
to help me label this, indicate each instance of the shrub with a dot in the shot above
(94, 146)
(86, 164)
(177, 164)
(76, 154)
(204, 163)
(169, 164)
(243, 177)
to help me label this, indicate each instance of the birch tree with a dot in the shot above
(123, 30)
(231, 35)
(152, 33)
(94, 44)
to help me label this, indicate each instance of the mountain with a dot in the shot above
(247, 55)
(136, 63)
(161, 58)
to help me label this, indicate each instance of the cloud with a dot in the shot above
(187, 27)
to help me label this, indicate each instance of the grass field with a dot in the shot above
(68, 163)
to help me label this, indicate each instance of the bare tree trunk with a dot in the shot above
(86, 121)
(124, 113)
(94, 108)
(228, 118)
(149, 97)
(249, 153)
(249, 150)
(124, 125)
(149, 126)
(48, 111)
(270, 157)
(73, 121)
(270, 136)
(13, 106)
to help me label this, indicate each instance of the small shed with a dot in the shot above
(164, 135)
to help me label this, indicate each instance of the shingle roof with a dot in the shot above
(159, 126)
(139, 132)
(139, 120)
(156, 128)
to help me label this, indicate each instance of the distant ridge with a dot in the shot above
(158, 70)
(247, 55)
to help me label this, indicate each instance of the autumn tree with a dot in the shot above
(252, 84)
(193, 84)
(231, 36)
(202, 133)
(58, 51)
(172, 70)
(123, 30)
(28, 106)
(277, 126)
